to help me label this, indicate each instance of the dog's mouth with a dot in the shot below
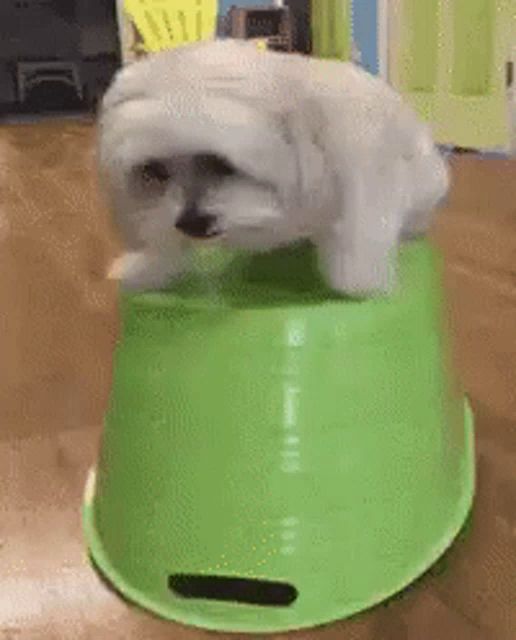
(198, 235)
(198, 226)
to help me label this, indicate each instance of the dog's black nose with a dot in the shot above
(196, 224)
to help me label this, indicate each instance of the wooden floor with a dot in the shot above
(58, 324)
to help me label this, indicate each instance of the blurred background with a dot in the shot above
(453, 59)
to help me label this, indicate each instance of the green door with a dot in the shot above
(449, 58)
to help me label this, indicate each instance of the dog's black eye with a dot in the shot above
(155, 171)
(215, 165)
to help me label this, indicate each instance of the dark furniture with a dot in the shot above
(56, 55)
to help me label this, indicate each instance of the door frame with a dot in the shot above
(383, 12)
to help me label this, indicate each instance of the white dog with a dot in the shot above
(260, 150)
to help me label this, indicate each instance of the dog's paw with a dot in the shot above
(141, 272)
(359, 277)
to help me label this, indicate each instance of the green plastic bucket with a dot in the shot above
(276, 457)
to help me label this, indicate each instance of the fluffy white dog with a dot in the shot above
(259, 150)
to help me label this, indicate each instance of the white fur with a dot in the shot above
(332, 154)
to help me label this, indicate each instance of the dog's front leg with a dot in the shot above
(357, 265)
(357, 253)
(150, 269)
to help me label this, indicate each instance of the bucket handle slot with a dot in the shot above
(263, 593)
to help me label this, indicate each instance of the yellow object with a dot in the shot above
(261, 44)
(164, 24)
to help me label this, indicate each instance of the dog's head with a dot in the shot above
(197, 141)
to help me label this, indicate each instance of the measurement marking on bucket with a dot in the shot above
(291, 467)
(288, 550)
(290, 453)
(291, 393)
(263, 593)
(288, 535)
(296, 332)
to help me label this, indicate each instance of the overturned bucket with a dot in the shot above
(275, 457)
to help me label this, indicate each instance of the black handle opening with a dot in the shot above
(263, 593)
